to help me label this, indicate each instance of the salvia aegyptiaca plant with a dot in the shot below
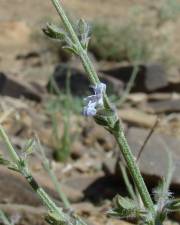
(139, 205)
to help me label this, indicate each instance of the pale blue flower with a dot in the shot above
(90, 109)
(94, 101)
(99, 89)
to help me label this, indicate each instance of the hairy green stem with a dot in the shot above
(82, 53)
(44, 196)
(26, 173)
(133, 169)
(121, 140)
(88, 66)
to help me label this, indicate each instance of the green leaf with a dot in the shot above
(103, 117)
(54, 219)
(14, 168)
(125, 207)
(117, 127)
(54, 32)
(29, 147)
(3, 161)
(125, 203)
(22, 163)
(173, 205)
(82, 27)
(70, 49)
(105, 113)
(83, 32)
(70, 46)
(101, 121)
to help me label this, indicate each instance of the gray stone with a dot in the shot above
(109, 166)
(81, 183)
(150, 77)
(155, 77)
(164, 106)
(153, 161)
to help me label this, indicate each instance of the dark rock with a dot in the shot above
(165, 106)
(149, 78)
(79, 83)
(172, 87)
(174, 81)
(16, 88)
(153, 161)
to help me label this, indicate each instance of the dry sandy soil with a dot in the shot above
(35, 11)
(163, 38)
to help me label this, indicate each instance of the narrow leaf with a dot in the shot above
(54, 32)
(70, 49)
(125, 207)
(54, 219)
(29, 147)
(3, 161)
(173, 205)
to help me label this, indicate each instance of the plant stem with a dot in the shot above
(44, 196)
(129, 86)
(47, 167)
(121, 140)
(83, 53)
(4, 218)
(57, 185)
(127, 181)
(10, 148)
(26, 173)
(88, 66)
(133, 169)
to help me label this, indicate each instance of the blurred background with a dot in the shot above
(135, 47)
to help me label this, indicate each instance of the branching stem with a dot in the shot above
(28, 176)
(120, 138)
